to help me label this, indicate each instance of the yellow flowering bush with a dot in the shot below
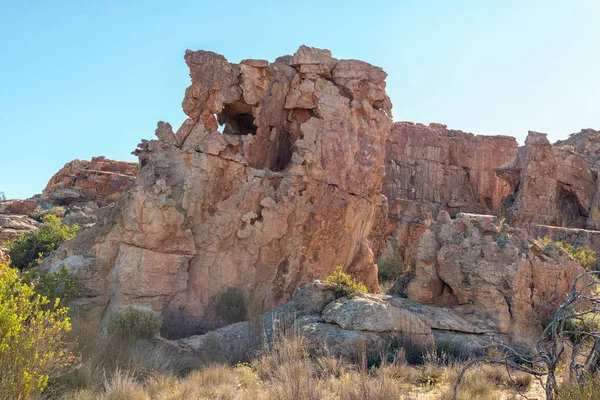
(31, 337)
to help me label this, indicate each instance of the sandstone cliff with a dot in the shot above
(432, 168)
(283, 194)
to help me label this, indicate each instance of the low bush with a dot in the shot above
(344, 284)
(29, 249)
(132, 323)
(31, 337)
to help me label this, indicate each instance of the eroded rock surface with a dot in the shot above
(432, 168)
(586, 142)
(550, 186)
(344, 327)
(283, 194)
(494, 276)
(12, 226)
(99, 180)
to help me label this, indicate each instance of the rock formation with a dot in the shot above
(585, 142)
(277, 177)
(432, 168)
(345, 328)
(12, 226)
(549, 186)
(79, 188)
(493, 275)
(100, 181)
(283, 194)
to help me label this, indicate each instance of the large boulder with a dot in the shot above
(371, 325)
(271, 182)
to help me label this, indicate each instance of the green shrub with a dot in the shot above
(31, 337)
(230, 305)
(344, 284)
(585, 257)
(29, 249)
(132, 323)
(59, 285)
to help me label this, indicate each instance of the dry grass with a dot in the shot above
(286, 371)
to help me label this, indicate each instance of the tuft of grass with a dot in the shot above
(589, 389)
(230, 305)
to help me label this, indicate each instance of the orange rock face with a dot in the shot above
(100, 180)
(432, 168)
(550, 186)
(270, 183)
(432, 164)
(493, 275)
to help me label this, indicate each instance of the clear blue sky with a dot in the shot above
(87, 78)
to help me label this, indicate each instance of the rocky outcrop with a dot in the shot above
(12, 226)
(588, 239)
(432, 168)
(550, 186)
(433, 164)
(282, 194)
(585, 142)
(99, 180)
(494, 276)
(344, 327)
(74, 193)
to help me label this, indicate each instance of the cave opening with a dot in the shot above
(571, 213)
(237, 119)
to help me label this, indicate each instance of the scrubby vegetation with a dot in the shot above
(288, 369)
(32, 345)
(28, 250)
(59, 285)
(345, 284)
(391, 272)
(587, 258)
(132, 323)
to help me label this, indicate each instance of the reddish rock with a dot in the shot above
(429, 168)
(550, 186)
(284, 194)
(22, 207)
(585, 142)
(495, 276)
(100, 181)
(432, 164)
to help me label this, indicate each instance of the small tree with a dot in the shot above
(575, 325)
(31, 337)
